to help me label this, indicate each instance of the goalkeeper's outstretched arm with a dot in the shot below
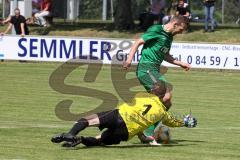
(171, 121)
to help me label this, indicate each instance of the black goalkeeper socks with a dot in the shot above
(79, 126)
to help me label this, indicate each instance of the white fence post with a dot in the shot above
(104, 10)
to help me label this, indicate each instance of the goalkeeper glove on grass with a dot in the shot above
(190, 121)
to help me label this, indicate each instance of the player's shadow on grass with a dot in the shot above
(146, 145)
(173, 143)
(136, 145)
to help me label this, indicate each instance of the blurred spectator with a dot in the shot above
(46, 11)
(19, 23)
(209, 8)
(157, 6)
(154, 16)
(183, 9)
(36, 6)
(156, 10)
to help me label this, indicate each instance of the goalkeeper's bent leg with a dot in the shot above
(83, 123)
(79, 126)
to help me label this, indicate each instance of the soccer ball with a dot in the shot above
(159, 134)
(162, 134)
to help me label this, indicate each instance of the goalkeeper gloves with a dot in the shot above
(190, 121)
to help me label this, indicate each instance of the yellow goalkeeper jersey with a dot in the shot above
(145, 110)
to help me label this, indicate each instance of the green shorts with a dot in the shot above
(145, 79)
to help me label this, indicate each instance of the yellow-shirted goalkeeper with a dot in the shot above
(146, 110)
(123, 123)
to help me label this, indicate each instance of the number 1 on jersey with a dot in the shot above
(148, 107)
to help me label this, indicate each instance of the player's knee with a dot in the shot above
(167, 97)
(93, 120)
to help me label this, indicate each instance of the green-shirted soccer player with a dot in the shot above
(156, 43)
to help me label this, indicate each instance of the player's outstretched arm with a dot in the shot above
(171, 60)
(133, 50)
(171, 121)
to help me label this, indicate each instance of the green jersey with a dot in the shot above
(157, 44)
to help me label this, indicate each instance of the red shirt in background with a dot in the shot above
(46, 4)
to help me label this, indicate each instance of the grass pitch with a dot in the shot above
(28, 120)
